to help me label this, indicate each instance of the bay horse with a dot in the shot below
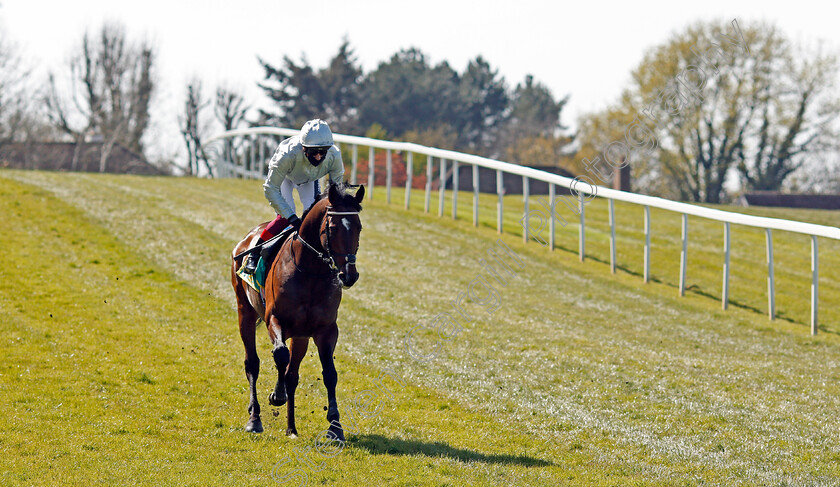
(302, 295)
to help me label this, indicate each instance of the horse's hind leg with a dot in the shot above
(248, 332)
(326, 347)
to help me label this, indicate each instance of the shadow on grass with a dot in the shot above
(692, 288)
(380, 445)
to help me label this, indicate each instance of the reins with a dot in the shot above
(328, 257)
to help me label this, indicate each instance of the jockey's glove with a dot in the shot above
(294, 221)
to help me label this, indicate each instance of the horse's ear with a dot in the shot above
(360, 194)
(333, 195)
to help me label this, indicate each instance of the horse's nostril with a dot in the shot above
(350, 279)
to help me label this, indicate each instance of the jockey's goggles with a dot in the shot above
(321, 151)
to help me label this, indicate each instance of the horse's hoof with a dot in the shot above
(291, 433)
(336, 434)
(275, 401)
(254, 426)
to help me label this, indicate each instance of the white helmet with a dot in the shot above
(316, 133)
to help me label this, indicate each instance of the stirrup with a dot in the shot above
(251, 263)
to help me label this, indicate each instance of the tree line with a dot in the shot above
(104, 92)
(406, 97)
(728, 105)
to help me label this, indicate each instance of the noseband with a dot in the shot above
(328, 257)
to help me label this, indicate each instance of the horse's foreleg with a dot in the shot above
(326, 347)
(290, 380)
(248, 332)
(281, 361)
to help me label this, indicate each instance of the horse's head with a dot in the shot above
(341, 229)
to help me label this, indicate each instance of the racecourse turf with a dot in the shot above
(122, 362)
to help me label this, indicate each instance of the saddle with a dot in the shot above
(268, 252)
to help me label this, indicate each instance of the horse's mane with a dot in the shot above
(347, 198)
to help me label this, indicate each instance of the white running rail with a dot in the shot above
(252, 164)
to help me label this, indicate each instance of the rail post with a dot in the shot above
(771, 288)
(683, 253)
(724, 299)
(815, 282)
(388, 176)
(454, 190)
(429, 163)
(500, 203)
(582, 229)
(551, 218)
(525, 199)
(371, 155)
(442, 192)
(475, 194)
(612, 236)
(353, 164)
(647, 245)
(409, 172)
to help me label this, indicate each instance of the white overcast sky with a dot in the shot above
(585, 49)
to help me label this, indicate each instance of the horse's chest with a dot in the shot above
(302, 307)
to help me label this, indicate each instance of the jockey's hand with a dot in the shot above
(295, 222)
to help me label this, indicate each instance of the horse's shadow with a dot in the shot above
(380, 445)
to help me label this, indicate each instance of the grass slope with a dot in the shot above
(123, 362)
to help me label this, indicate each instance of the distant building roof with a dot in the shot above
(795, 200)
(58, 156)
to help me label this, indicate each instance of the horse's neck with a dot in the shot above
(310, 230)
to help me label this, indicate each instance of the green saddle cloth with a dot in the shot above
(255, 280)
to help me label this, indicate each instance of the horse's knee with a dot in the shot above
(252, 366)
(330, 377)
(281, 357)
(332, 414)
(291, 380)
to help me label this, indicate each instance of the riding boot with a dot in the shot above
(253, 258)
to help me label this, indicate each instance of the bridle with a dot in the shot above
(328, 257)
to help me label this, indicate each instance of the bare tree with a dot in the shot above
(819, 173)
(111, 87)
(230, 108)
(797, 113)
(719, 100)
(13, 100)
(192, 130)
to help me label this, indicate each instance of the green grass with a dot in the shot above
(122, 361)
(748, 269)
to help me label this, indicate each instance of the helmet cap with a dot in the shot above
(316, 133)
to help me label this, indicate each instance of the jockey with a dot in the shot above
(299, 162)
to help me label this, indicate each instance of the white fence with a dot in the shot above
(250, 146)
